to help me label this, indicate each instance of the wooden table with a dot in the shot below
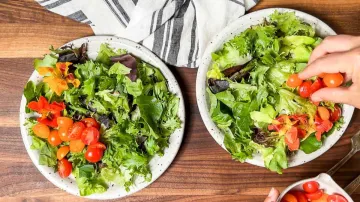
(202, 170)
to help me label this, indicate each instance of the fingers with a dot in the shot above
(337, 95)
(273, 195)
(332, 44)
(343, 62)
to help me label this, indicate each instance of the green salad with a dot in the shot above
(253, 98)
(101, 120)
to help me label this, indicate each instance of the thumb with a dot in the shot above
(273, 195)
(337, 95)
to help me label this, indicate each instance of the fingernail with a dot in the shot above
(316, 98)
(272, 192)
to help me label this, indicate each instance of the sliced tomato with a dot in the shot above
(64, 168)
(311, 187)
(324, 126)
(91, 122)
(291, 139)
(90, 135)
(323, 113)
(301, 133)
(300, 196)
(323, 198)
(289, 198)
(98, 145)
(318, 84)
(336, 114)
(76, 130)
(336, 198)
(316, 195)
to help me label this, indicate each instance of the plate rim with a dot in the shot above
(152, 59)
(213, 45)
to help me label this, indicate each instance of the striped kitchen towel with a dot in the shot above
(175, 30)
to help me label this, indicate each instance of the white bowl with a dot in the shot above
(158, 165)
(326, 183)
(228, 33)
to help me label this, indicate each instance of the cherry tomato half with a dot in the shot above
(333, 80)
(323, 113)
(311, 187)
(64, 168)
(316, 195)
(93, 155)
(91, 122)
(75, 131)
(300, 196)
(98, 145)
(41, 130)
(76, 145)
(62, 152)
(336, 198)
(289, 198)
(54, 138)
(336, 114)
(291, 139)
(90, 135)
(318, 84)
(64, 122)
(305, 89)
(63, 134)
(294, 81)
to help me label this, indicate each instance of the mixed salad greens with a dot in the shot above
(258, 101)
(101, 120)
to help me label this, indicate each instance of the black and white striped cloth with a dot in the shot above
(175, 30)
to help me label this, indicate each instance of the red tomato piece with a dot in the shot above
(316, 195)
(94, 155)
(294, 81)
(305, 89)
(64, 168)
(289, 198)
(91, 122)
(300, 196)
(333, 80)
(292, 140)
(311, 187)
(336, 114)
(76, 130)
(336, 198)
(301, 133)
(318, 84)
(98, 145)
(322, 75)
(90, 135)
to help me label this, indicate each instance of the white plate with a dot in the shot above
(158, 165)
(228, 33)
(326, 183)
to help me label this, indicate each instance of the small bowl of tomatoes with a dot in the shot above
(321, 188)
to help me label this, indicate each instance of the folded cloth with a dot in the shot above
(177, 31)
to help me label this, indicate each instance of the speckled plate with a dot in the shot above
(158, 165)
(228, 33)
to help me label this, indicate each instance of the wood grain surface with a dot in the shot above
(202, 170)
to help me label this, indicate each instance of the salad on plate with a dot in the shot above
(257, 100)
(100, 120)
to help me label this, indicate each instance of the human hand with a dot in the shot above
(335, 54)
(273, 195)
